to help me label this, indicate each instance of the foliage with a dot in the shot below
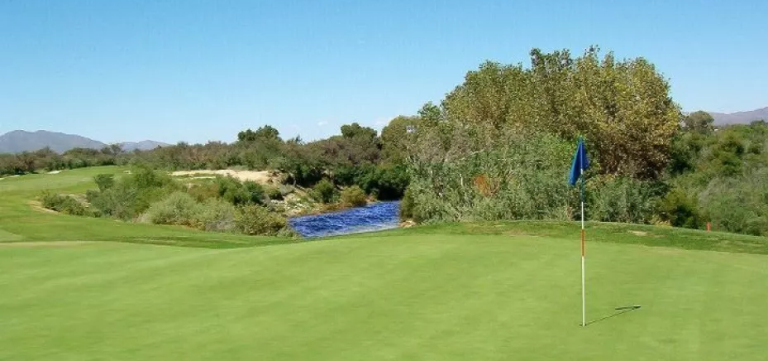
(104, 181)
(133, 194)
(179, 208)
(325, 192)
(681, 210)
(738, 204)
(204, 191)
(407, 205)
(622, 107)
(62, 203)
(239, 193)
(273, 193)
(519, 177)
(698, 122)
(215, 215)
(258, 220)
(622, 199)
(353, 196)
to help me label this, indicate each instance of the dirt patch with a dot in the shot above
(639, 233)
(37, 206)
(45, 244)
(261, 177)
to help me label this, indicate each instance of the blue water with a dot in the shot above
(378, 216)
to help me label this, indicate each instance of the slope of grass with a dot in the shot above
(21, 221)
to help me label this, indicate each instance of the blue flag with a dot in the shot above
(580, 162)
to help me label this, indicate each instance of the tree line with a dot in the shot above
(499, 145)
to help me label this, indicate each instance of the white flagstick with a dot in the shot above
(583, 283)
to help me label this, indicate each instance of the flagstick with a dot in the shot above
(583, 283)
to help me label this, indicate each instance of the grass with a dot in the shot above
(495, 291)
(21, 222)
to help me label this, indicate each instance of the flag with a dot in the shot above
(580, 162)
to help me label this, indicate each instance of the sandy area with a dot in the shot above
(263, 177)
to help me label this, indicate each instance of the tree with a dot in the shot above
(394, 138)
(266, 132)
(622, 107)
(700, 122)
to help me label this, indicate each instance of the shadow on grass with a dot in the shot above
(619, 311)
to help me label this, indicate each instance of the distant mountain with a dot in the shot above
(143, 145)
(740, 117)
(21, 141)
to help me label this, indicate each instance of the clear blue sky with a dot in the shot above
(203, 70)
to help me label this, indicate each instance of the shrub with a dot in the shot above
(681, 210)
(273, 193)
(623, 200)
(204, 192)
(237, 193)
(215, 215)
(63, 204)
(324, 192)
(104, 181)
(133, 194)
(523, 179)
(406, 205)
(738, 204)
(353, 196)
(178, 208)
(258, 220)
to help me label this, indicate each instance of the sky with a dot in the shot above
(194, 71)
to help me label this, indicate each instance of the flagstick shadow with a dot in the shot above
(621, 312)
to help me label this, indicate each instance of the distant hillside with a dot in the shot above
(20, 141)
(740, 117)
(143, 145)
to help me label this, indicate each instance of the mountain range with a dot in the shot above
(20, 141)
(740, 117)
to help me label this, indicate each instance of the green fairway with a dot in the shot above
(459, 292)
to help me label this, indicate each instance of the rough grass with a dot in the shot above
(495, 291)
(22, 222)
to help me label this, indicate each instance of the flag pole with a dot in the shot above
(583, 282)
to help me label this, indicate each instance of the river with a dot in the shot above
(374, 217)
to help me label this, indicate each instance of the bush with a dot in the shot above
(132, 195)
(324, 192)
(681, 210)
(63, 204)
(237, 193)
(258, 220)
(178, 209)
(622, 199)
(215, 215)
(738, 204)
(406, 206)
(353, 196)
(204, 192)
(104, 181)
(273, 193)
(521, 177)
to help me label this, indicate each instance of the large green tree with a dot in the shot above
(622, 107)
